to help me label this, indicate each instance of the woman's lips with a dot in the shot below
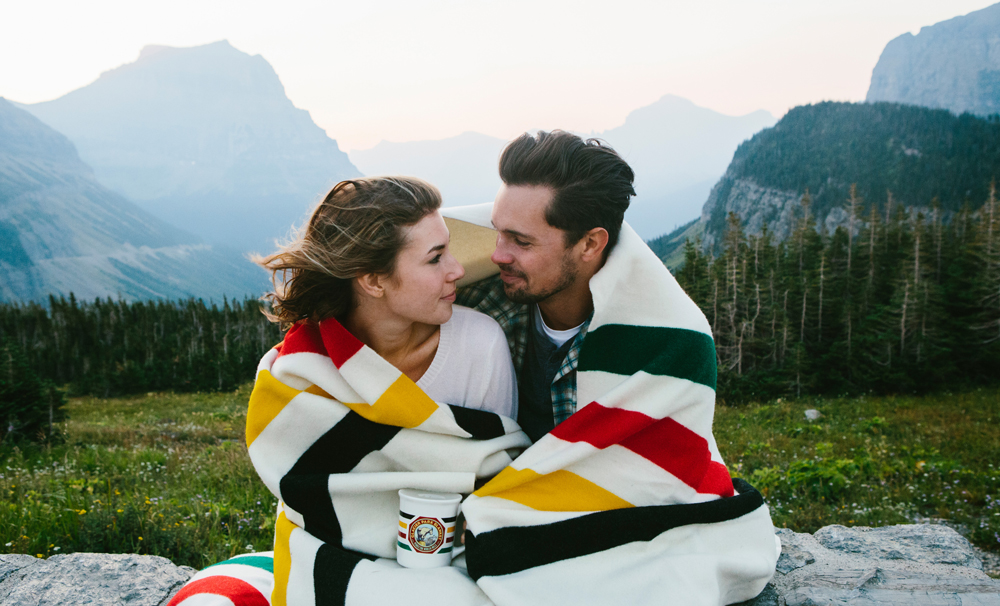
(451, 297)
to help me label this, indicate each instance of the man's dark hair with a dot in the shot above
(592, 184)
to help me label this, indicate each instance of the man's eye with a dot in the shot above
(520, 243)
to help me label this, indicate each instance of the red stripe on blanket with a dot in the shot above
(340, 344)
(665, 442)
(302, 338)
(239, 592)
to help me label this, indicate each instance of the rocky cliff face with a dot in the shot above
(62, 232)
(203, 138)
(953, 65)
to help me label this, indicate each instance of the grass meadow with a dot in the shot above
(168, 474)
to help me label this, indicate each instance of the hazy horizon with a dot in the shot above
(392, 71)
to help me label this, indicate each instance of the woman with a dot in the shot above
(375, 388)
(375, 256)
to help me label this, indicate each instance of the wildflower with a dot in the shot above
(140, 538)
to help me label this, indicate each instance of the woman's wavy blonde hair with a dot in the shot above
(358, 228)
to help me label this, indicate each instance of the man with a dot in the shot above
(616, 374)
(558, 215)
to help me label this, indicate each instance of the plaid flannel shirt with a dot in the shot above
(488, 297)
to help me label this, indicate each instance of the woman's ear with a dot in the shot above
(371, 285)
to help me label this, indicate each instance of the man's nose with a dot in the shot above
(501, 255)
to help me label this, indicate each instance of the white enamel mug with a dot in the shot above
(426, 533)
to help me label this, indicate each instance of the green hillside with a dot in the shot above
(916, 153)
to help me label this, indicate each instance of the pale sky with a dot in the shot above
(405, 70)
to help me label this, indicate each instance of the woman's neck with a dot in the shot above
(409, 346)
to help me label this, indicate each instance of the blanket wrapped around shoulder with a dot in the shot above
(626, 502)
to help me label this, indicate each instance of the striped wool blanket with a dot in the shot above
(626, 502)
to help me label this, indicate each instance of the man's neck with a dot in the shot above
(568, 308)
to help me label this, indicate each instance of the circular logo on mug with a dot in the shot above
(426, 535)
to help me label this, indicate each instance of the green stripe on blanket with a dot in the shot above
(262, 562)
(675, 352)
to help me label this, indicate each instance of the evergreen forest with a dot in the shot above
(895, 301)
(107, 347)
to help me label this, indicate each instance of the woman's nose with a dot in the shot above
(457, 271)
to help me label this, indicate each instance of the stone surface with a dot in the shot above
(931, 544)
(89, 578)
(914, 565)
(907, 564)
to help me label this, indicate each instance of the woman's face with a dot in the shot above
(422, 287)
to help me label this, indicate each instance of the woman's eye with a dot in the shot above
(436, 259)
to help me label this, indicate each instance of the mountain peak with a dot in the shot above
(953, 65)
(151, 50)
(197, 136)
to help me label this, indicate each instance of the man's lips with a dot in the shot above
(508, 277)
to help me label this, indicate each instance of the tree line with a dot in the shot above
(108, 347)
(894, 301)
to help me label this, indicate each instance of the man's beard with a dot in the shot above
(567, 276)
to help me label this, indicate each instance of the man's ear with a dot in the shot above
(593, 242)
(371, 284)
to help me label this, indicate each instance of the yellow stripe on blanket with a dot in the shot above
(557, 491)
(402, 405)
(268, 398)
(282, 560)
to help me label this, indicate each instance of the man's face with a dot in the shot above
(533, 258)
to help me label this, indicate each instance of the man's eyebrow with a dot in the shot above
(516, 234)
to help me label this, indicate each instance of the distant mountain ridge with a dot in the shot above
(62, 232)
(954, 65)
(917, 154)
(204, 138)
(677, 149)
(463, 167)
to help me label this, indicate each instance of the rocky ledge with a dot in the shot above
(96, 579)
(915, 565)
(907, 564)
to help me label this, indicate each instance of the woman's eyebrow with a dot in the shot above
(436, 248)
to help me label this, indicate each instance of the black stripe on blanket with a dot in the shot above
(332, 572)
(481, 424)
(517, 548)
(673, 352)
(304, 487)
